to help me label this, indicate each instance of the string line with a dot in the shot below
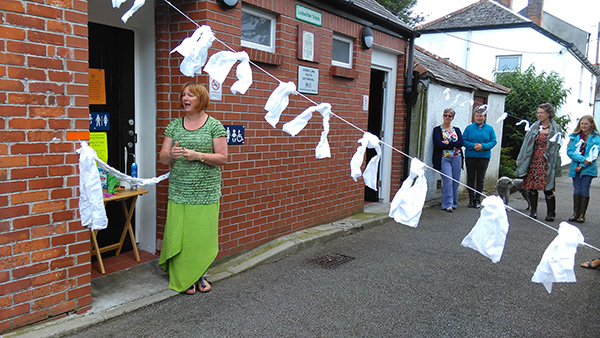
(383, 143)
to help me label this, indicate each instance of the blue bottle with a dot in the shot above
(134, 173)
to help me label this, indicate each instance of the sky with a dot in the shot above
(583, 14)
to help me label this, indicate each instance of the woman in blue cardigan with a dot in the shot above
(447, 158)
(583, 166)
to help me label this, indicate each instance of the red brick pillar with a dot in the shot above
(44, 250)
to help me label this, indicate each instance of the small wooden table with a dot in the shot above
(122, 195)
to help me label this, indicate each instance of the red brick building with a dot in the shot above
(272, 185)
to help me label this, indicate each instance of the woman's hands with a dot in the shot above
(188, 154)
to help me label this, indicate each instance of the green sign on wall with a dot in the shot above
(309, 15)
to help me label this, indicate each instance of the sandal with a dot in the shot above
(590, 265)
(191, 290)
(203, 285)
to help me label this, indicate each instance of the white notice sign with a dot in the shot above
(308, 80)
(308, 46)
(216, 90)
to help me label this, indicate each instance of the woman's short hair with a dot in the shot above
(548, 108)
(199, 91)
(449, 110)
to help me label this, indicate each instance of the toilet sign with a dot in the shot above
(215, 90)
(99, 121)
(235, 134)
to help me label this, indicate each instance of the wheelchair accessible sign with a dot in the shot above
(235, 134)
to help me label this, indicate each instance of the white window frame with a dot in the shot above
(350, 51)
(267, 16)
(501, 70)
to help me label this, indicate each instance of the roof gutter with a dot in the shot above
(349, 10)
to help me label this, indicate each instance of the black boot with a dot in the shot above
(551, 206)
(576, 208)
(583, 208)
(471, 203)
(533, 199)
(477, 201)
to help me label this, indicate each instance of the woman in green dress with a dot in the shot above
(195, 145)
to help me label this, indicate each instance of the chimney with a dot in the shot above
(535, 11)
(506, 3)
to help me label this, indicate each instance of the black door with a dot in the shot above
(375, 121)
(111, 49)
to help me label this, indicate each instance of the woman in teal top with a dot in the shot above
(583, 168)
(195, 146)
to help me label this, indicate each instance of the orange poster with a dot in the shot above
(97, 86)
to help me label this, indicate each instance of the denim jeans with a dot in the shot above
(581, 184)
(451, 166)
(476, 168)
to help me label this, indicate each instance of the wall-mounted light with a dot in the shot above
(227, 4)
(366, 37)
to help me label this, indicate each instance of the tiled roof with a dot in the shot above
(375, 7)
(443, 71)
(478, 15)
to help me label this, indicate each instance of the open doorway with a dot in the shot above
(375, 123)
(111, 49)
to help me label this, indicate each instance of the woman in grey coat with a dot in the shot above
(539, 160)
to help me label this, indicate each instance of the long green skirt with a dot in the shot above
(190, 243)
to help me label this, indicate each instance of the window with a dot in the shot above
(258, 29)
(341, 51)
(508, 63)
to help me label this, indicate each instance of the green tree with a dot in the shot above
(403, 10)
(528, 91)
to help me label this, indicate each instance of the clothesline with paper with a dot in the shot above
(405, 208)
(91, 203)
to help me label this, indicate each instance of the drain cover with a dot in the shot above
(331, 261)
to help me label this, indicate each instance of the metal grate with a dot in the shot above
(330, 261)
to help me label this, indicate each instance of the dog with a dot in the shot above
(507, 186)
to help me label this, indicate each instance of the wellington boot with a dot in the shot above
(585, 200)
(576, 208)
(533, 199)
(551, 205)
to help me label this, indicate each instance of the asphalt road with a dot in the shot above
(402, 282)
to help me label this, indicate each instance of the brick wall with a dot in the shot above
(44, 251)
(273, 185)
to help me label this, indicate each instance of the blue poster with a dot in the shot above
(235, 134)
(99, 121)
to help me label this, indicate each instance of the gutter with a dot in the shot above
(348, 9)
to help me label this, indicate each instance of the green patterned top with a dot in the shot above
(194, 182)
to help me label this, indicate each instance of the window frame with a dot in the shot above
(498, 57)
(350, 42)
(264, 15)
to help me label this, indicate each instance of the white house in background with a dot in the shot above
(489, 35)
(444, 85)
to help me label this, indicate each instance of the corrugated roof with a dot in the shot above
(444, 71)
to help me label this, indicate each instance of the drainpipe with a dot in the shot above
(468, 51)
(409, 92)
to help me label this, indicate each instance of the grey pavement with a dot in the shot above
(401, 282)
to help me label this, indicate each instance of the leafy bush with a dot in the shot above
(528, 91)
